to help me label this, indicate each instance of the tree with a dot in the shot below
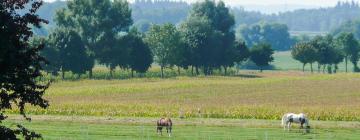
(163, 40)
(208, 31)
(238, 53)
(350, 47)
(49, 52)
(305, 53)
(140, 54)
(106, 17)
(196, 32)
(328, 53)
(20, 64)
(69, 52)
(261, 55)
(277, 35)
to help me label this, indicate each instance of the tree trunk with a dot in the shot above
(90, 74)
(192, 70)
(132, 73)
(178, 70)
(304, 67)
(197, 70)
(111, 73)
(225, 69)
(319, 66)
(63, 74)
(162, 72)
(346, 64)
(311, 67)
(204, 70)
(261, 69)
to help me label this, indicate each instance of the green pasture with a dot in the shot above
(284, 61)
(193, 129)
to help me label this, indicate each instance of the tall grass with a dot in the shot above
(321, 97)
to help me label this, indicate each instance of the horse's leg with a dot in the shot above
(170, 130)
(289, 126)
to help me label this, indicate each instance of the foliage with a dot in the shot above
(350, 47)
(275, 34)
(20, 65)
(328, 52)
(140, 53)
(67, 52)
(107, 19)
(262, 55)
(163, 41)
(305, 53)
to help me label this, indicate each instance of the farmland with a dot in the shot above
(250, 95)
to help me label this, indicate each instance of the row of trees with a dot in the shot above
(89, 30)
(328, 52)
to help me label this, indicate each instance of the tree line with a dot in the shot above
(328, 51)
(90, 32)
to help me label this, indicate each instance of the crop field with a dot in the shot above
(246, 106)
(249, 96)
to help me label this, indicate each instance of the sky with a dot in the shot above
(273, 6)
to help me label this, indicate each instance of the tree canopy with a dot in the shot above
(20, 64)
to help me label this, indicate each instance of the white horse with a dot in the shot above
(301, 118)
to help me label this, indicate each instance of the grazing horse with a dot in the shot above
(289, 118)
(164, 122)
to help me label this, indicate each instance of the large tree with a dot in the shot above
(140, 54)
(262, 55)
(350, 48)
(97, 21)
(328, 52)
(305, 53)
(209, 32)
(20, 64)
(67, 52)
(163, 41)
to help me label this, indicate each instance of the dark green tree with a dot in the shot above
(305, 53)
(328, 52)
(20, 65)
(51, 54)
(262, 55)
(67, 52)
(98, 22)
(140, 54)
(350, 47)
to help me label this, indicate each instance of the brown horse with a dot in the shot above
(164, 122)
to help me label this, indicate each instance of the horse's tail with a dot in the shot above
(283, 120)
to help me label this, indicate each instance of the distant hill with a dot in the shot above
(162, 11)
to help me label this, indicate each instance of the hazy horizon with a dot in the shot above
(273, 6)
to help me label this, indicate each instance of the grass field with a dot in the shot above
(94, 128)
(262, 96)
(246, 106)
(284, 61)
